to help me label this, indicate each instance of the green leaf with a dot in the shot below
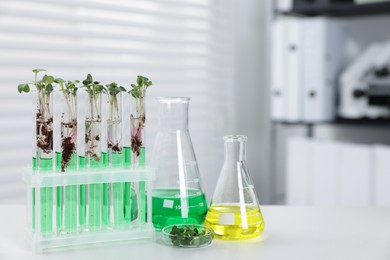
(139, 80)
(59, 80)
(187, 236)
(99, 88)
(113, 92)
(48, 79)
(49, 88)
(112, 85)
(88, 80)
(23, 88)
(38, 70)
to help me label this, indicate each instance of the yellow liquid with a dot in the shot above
(226, 222)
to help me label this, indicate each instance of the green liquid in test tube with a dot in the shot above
(142, 189)
(127, 155)
(94, 198)
(34, 168)
(82, 196)
(127, 187)
(66, 198)
(46, 198)
(118, 190)
(130, 196)
(59, 199)
(105, 194)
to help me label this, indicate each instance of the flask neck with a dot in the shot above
(235, 148)
(173, 113)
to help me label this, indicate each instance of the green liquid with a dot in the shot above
(82, 196)
(131, 203)
(118, 190)
(104, 159)
(94, 192)
(127, 156)
(105, 194)
(95, 196)
(82, 162)
(142, 156)
(46, 165)
(106, 204)
(130, 196)
(34, 167)
(34, 163)
(167, 207)
(66, 199)
(59, 199)
(142, 190)
(46, 199)
(117, 159)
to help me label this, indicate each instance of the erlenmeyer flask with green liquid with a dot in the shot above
(177, 196)
(234, 213)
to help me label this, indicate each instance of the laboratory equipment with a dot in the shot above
(42, 240)
(66, 156)
(234, 212)
(130, 198)
(137, 144)
(190, 236)
(177, 196)
(44, 147)
(365, 84)
(115, 151)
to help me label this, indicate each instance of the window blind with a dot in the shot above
(184, 46)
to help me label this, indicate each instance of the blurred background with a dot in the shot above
(306, 81)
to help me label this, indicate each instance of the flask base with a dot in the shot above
(226, 221)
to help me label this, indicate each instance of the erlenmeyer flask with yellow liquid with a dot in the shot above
(235, 213)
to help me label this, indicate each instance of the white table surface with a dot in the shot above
(291, 233)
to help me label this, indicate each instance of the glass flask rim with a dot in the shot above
(235, 138)
(174, 99)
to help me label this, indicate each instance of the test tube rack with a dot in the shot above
(139, 228)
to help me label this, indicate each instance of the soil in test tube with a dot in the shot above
(226, 221)
(167, 207)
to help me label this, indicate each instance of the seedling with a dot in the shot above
(68, 121)
(138, 121)
(44, 117)
(114, 120)
(92, 137)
